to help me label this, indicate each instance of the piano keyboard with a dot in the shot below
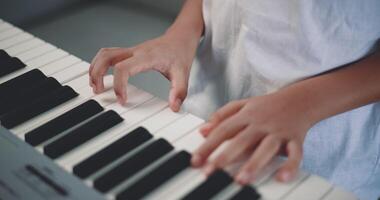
(59, 140)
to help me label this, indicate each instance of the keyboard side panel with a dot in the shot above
(27, 174)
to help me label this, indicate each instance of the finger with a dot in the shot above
(107, 57)
(238, 146)
(290, 167)
(178, 91)
(223, 113)
(122, 71)
(224, 131)
(90, 71)
(264, 153)
(93, 61)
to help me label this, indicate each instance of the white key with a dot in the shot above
(35, 52)
(267, 172)
(77, 83)
(339, 194)
(183, 125)
(228, 192)
(135, 98)
(313, 188)
(108, 97)
(191, 141)
(24, 46)
(161, 119)
(5, 26)
(60, 64)
(273, 190)
(15, 40)
(72, 72)
(10, 33)
(46, 58)
(68, 160)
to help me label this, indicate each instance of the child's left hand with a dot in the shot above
(262, 126)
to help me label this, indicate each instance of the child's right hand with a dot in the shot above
(170, 55)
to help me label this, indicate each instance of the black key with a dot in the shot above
(215, 183)
(82, 134)
(10, 65)
(36, 91)
(112, 152)
(39, 106)
(133, 165)
(4, 55)
(246, 192)
(63, 122)
(154, 179)
(21, 83)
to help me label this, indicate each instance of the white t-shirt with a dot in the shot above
(255, 47)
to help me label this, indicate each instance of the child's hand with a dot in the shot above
(261, 126)
(170, 56)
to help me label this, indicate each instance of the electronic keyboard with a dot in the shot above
(58, 140)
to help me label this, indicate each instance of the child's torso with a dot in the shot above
(254, 47)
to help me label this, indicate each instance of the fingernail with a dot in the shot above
(243, 177)
(196, 160)
(209, 169)
(285, 176)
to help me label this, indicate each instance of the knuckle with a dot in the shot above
(119, 67)
(104, 53)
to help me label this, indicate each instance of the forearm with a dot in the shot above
(189, 23)
(338, 91)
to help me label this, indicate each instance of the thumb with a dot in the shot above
(178, 91)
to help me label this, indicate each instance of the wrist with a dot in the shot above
(303, 102)
(185, 34)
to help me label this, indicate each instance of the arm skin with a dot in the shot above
(266, 125)
(189, 23)
(171, 54)
(355, 85)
